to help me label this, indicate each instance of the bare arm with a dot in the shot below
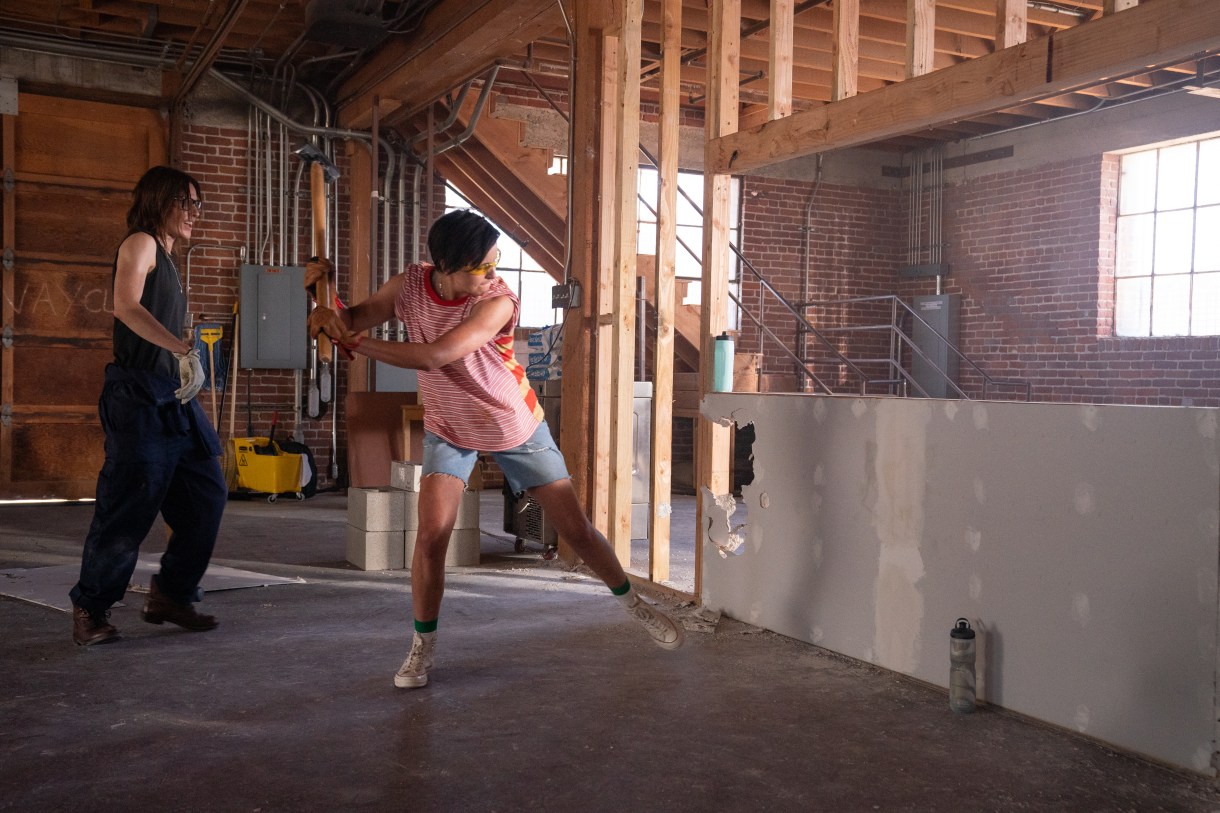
(485, 321)
(137, 259)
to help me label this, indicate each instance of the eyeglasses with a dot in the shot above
(188, 203)
(483, 269)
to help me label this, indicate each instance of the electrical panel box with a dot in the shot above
(940, 316)
(274, 309)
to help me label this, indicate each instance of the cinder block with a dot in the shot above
(467, 516)
(463, 548)
(404, 475)
(375, 509)
(375, 550)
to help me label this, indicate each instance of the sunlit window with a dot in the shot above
(520, 271)
(1167, 260)
(688, 258)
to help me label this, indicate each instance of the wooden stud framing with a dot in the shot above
(1084, 56)
(578, 438)
(1011, 23)
(1111, 6)
(661, 441)
(604, 285)
(712, 439)
(627, 135)
(921, 37)
(845, 80)
(779, 77)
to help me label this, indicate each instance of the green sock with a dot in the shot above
(425, 626)
(622, 591)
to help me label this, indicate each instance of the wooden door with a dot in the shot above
(69, 168)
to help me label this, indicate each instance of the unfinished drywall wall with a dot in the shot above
(1080, 540)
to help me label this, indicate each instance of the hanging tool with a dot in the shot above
(210, 335)
(321, 171)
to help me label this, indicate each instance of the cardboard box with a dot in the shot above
(375, 509)
(463, 548)
(375, 550)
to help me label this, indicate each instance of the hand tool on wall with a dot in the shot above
(210, 334)
(321, 171)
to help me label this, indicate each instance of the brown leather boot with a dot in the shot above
(158, 609)
(91, 628)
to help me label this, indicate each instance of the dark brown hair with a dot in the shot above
(156, 197)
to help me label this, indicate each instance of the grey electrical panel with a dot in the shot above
(940, 313)
(274, 308)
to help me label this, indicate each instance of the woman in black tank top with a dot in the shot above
(161, 450)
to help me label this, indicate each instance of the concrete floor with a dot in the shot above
(545, 697)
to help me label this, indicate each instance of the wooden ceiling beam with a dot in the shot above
(457, 38)
(1104, 49)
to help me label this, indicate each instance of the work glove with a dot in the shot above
(190, 372)
(318, 269)
(328, 321)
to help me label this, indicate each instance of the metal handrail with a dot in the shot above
(896, 331)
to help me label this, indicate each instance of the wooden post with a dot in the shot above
(592, 114)
(1011, 23)
(921, 37)
(845, 49)
(661, 440)
(779, 77)
(712, 439)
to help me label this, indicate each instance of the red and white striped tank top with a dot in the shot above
(482, 401)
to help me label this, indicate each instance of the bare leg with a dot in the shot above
(440, 495)
(562, 508)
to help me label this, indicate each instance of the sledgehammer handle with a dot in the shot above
(317, 190)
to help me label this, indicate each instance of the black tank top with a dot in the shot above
(164, 299)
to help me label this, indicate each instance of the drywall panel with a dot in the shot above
(1081, 541)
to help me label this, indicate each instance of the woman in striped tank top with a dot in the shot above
(460, 318)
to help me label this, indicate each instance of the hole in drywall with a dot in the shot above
(743, 457)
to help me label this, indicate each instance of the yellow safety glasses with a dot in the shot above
(484, 269)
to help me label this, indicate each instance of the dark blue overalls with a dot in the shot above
(161, 457)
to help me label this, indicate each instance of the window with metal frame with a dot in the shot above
(1167, 247)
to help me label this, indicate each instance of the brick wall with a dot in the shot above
(1032, 256)
(852, 240)
(217, 157)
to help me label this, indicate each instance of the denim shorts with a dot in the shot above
(534, 463)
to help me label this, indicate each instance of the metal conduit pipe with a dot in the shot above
(454, 109)
(479, 104)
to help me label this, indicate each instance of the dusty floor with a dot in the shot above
(544, 697)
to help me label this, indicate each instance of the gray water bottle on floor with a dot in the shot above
(961, 667)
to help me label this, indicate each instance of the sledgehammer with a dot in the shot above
(321, 170)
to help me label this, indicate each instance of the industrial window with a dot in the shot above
(688, 263)
(521, 271)
(1167, 260)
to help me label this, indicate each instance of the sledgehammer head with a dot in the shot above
(310, 155)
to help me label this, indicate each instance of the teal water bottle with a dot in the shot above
(722, 364)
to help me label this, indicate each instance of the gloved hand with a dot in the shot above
(325, 320)
(318, 269)
(190, 371)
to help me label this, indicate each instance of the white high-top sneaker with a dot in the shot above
(414, 670)
(666, 633)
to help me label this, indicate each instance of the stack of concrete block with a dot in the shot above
(463, 544)
(376, 519)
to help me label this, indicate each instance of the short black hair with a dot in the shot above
(460, 240)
